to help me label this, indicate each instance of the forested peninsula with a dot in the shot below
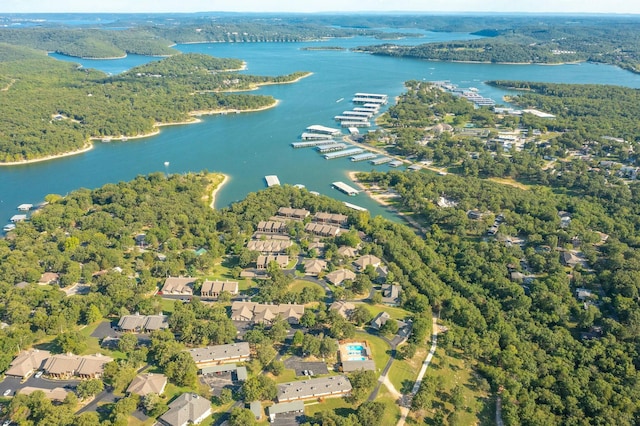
(608, 40)
(52, 107)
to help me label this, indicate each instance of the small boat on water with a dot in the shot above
(340, 100)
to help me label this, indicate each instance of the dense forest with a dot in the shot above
(525, 339)
(607, 40)
(52, 107)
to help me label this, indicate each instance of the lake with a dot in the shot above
(249, 146)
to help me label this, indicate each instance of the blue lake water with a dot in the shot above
(249, 146)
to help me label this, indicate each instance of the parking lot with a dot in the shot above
(289, 419)
(13, 384)
(299, 365)
(217, 382)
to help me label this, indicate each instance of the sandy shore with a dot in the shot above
(87, 147)
(225, 179)
(233, 111)
(383, 199)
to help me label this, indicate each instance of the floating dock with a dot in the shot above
(372, 110)
(308, 136)
(308, 144)
(25, 207)
(353, 206)
(349, 190)
(381, 160)
(9, 227)
(396, 163)
(355, 124)
(331, 147)
(363, 157)
(355, 113)
(350, 118)
(371, 106)
(345, 153)
(323, 130)
(272, 180)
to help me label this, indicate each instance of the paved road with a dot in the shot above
(14, 384)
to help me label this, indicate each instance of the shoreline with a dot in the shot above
(225, 179)
(87, 147)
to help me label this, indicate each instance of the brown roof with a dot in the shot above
(366, 260)
(338, 276)
(89, 365)
(26, 362)
(182, 285)
(314, 266)
(48, 277)
(144, 384)
(55, 394)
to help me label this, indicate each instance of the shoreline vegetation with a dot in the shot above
(87, 147)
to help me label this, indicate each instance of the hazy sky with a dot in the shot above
(568, 6)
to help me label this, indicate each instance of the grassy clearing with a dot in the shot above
(403, 373)
(380, 349)
(287, 375)
(449, 370)
(298, 285)
(395, 312)
(391, 409)
(329, 404)
(510, 182)
(167, 305)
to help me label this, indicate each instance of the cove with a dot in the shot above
(249, 146)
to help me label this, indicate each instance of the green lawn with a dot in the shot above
(287, 375)
(403, 373)
(391, 410)
(329, 404)
(379, 349)
(167, 305)
(298, 285)
(395, 312)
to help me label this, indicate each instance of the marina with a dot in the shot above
(396, 163)
(355, 113)
(381, 160)
(370, 98)
(9, 227)
(25, 207)
(344, 153)
(347, 189)
(272, 180)
(308, 144)
(331, 147)
(363, 157)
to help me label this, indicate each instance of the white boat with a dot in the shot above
(340, 100)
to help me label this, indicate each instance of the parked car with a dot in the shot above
(7, 392)
(38, 374)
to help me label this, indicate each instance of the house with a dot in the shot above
(391, 294)
(569, 259)
(583, 294)
(55, 394)
(285, 408)
(380, 320)
(188, 408)
(271, 246)
(143, 323)
(221, 354)
(144, 384)
(322, 229)
(271, 227)
(314, 266)
(49, 278)
(516, 276)
(265, 314)
(338, 219)
(368, 259)
(322, 387)
(338, 276)
(64, 366)
(474, 214)
(345, 309)
(263, 261)
(297, 214)
(26, 363)
(256, 409)
(182, 286)
(347, 251)
(240, 372)
(212, 289)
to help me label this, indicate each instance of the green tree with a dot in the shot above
(72, 342)
(259, 388)
(127, 343)
(242, 417)
(370, 413)
(89, 388)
